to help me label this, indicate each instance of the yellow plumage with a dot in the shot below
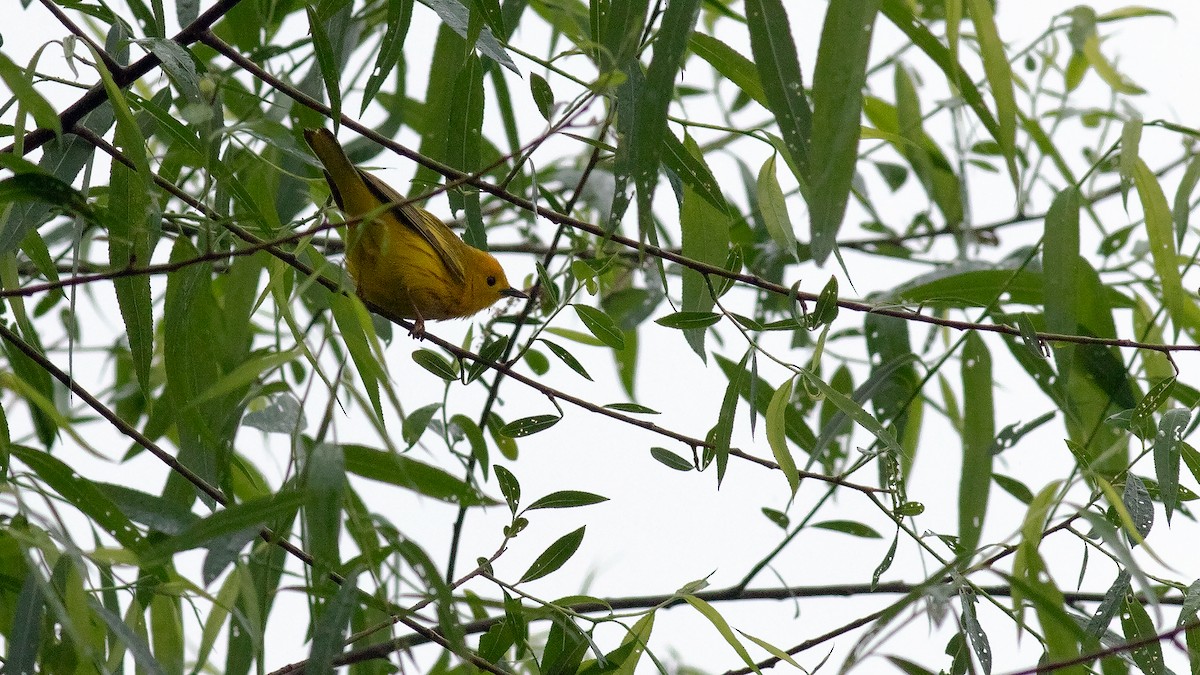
(402, 257)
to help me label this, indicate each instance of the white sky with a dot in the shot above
(661, 528)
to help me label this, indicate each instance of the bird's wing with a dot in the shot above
(439, 237)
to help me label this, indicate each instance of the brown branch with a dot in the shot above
(137, 437)
(704, 268)
(126, 76)
(384, 649)
(1115, 649)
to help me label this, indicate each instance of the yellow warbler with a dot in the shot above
(402, 257)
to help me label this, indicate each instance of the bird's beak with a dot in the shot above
(514, 293)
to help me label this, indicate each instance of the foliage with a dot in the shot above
(208, 440)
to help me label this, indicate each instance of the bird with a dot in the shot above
(403, 258)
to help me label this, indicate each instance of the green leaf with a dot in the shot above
(1136, 500)
(331, 625)
(899, 12)
(671, 459)
(1167, 448)
(436, 364)
(634, 408)
(1000, 79)
(705, 225)
(714, 617)
(230, 520)
(391, 48)
(1139, 627)
(729, 63)
(1159, 229)
(354, 323)
(601, 325)
(566, 499)
(849, 527)
(567, 358)
(827, 306)
(527, 426)
(722, 432)
(773, 207)
(854, 411)
(416, 422)
(543, 96)
(780, 402)
(555, 556)
(509, 487)
(327, 59)
(1059, 267)
(774, 51)
(81, 493)
(979, 429)
(410, 474)
(838, 81)
(20, 83)
(687, 320)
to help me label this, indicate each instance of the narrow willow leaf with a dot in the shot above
(416, 422)
(1182, 206)
(705, 231)
(854, 411)
(601, 325)
(774, 51)
(1113, 597)
(1105, 69)
(1131, 138)
(509, 487)
(635, 408)
(1000, 79)
(827, 306)
(436, 364)
(567, 358)
(1167, 449)
(408, 473)
(391, 47)
(527, 426)
(774, 211)
(327, 59)
(21, 86)
(885, 564)
(555, 556)
(979, 429)
(543, 96)
(653, 101)
(228, 521)
(838, 81)
(1143, 412)
(1059, 266)
(776, 410)
(974, 631)
(729, 63)
(671, 459)
(686, 320)
(566, 499)
(1178, 303)
(1031, 538)
(81, 493)
(709, 612)
(330, 626)
(772, 649)
(900, 13)
(1029, 336)
(850, 527)
(1139, 627)
(722, 433)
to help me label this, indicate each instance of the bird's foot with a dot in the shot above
(417, 332)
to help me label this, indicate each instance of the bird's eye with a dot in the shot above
(491, 281)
